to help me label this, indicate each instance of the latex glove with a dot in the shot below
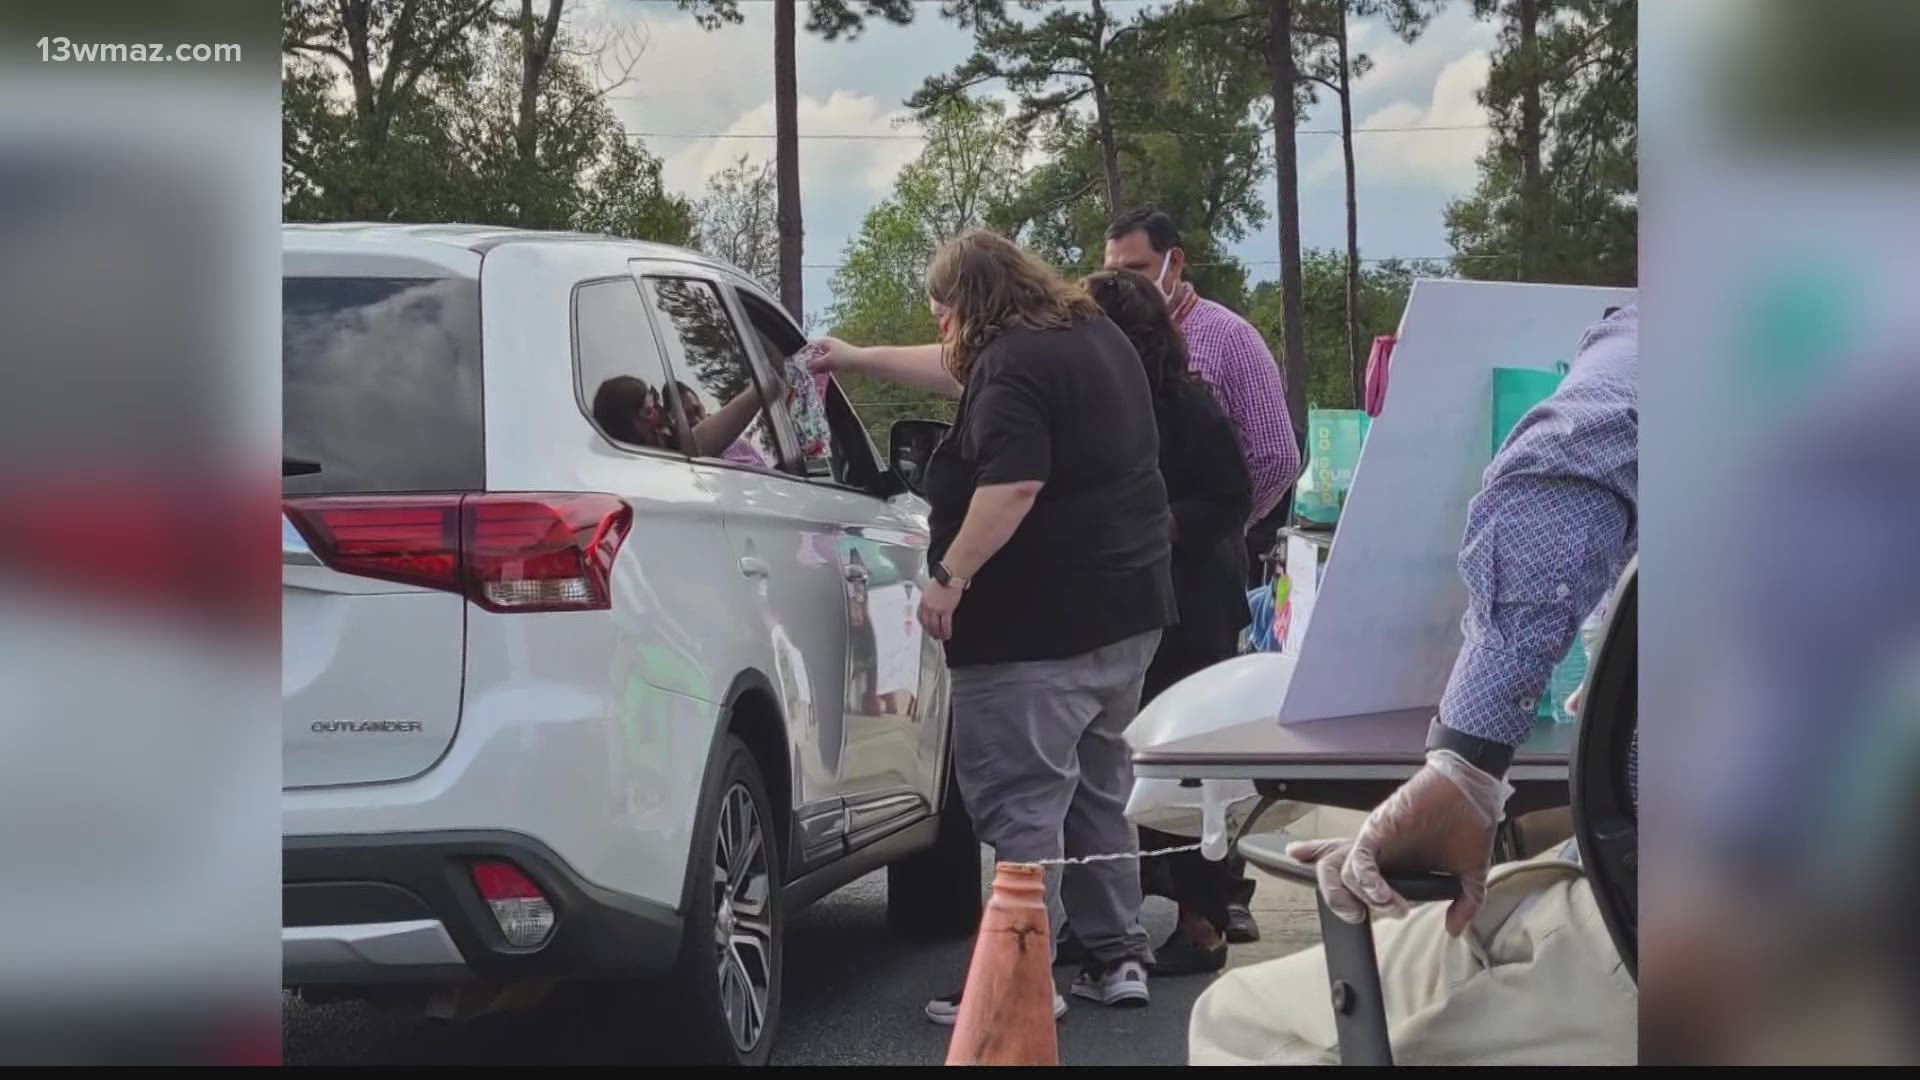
(1443, 818)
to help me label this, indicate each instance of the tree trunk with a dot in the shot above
(1530, 137)
(1286, 158)
(1102, 115)
(354, 16)
(1109, 148)
(363, 200)
(536, 51)
(1356, 350)
(786, 152)
(530, 64)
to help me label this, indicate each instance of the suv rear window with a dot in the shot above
(381, 384)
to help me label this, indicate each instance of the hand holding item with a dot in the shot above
(824, 356)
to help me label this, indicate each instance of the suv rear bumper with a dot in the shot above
(400, 909)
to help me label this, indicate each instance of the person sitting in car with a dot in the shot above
(718, 434)
(629, 411)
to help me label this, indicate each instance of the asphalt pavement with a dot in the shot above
(854, 994)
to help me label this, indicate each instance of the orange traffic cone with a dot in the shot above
(1006, 1008)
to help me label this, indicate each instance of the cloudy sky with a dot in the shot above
(692, 85)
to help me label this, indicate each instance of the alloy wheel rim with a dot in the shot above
(743, 918)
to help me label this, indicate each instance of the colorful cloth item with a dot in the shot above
(1377, 363)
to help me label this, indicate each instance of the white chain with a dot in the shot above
(1115, 856)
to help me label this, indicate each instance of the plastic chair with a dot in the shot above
(1606, 826)
(1353, 971)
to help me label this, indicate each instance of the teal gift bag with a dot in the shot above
(1334, 439)
(1515, 391)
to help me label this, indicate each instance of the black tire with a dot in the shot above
(935, 894)
(714, 984)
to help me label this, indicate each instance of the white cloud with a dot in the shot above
(692, 80)
(698, 83)
(848, 166)
(1399, 68)
(1442, 159)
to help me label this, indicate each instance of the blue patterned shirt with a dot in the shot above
(1553, 526)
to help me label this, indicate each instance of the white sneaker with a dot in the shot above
(1123, 985)
(945, 1011)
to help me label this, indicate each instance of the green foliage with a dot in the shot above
(1584, 221)
(1072, 53)
(1384, 288)
(424, 122)
(1189, 119)
(416, 111)
(831, 19)
(736, 221)
(966, 172)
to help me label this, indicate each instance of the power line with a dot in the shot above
(910, 137)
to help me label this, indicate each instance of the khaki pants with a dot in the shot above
(1534, 981)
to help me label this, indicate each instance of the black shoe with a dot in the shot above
(1241, 929)
(1180, 956)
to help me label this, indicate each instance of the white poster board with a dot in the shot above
(1385, 624)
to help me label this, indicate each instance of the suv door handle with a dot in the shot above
(754, 567)
(859, 575)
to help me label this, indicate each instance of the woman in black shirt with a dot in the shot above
(1211, 495)
(1050, 577)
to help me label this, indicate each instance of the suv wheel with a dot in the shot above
(936, 893)
(730, 961)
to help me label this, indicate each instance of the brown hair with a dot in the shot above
(1138, 308)
(990, 284)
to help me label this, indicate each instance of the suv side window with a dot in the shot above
(716, 385)
(833, 445)
(617, 368)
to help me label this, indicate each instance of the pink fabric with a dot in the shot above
(1378, 362)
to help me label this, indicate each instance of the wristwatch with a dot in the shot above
(1489, 757)
(939, 572)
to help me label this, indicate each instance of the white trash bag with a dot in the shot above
(1245, 690)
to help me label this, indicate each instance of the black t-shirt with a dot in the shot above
(1090, 564)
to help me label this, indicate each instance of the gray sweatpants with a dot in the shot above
(1039, 752)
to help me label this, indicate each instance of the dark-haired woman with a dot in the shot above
(1210, 494)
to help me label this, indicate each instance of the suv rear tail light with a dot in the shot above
(504, 552)
(524, 916)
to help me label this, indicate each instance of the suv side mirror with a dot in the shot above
(910, 445)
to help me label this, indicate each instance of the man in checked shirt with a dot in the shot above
(1520, 969)
(1228, 354)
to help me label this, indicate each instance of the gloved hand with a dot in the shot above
(1443, 818)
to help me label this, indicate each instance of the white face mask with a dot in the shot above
(1160, 281)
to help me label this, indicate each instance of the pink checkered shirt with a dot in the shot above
(1231, 357)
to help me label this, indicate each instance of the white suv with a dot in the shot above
(595, 666)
